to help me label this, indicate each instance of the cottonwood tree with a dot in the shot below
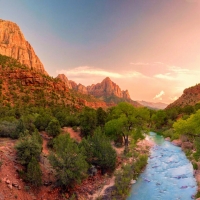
(126, 120)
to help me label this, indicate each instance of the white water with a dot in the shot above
(168, 175)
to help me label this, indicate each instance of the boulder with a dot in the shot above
(168, 139)
(177, 143)
(132, 182)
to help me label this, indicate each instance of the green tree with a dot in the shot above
(42, 121)
(88, 121)
(99, 151)
(190, 126)
(34, 173)
(53, 128)
(28, 147)
(159, 119)
(68, 161)
(101, 117)
(127, 121)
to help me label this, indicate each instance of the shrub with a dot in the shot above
(28, 148)
(122, 180)
(99, 151)
(68, 161)
(34, 173)
(53, 128)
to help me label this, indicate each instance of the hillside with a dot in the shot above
(190, 96)
(22, 85)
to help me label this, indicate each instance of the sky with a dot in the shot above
(149, 47)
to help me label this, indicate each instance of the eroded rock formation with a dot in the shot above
(14, 44)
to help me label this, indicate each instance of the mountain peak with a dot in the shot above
(14, 44)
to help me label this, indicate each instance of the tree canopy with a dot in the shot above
(126, 120)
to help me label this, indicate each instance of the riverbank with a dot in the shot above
(107, 190)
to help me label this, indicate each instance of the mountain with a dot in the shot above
(107, 91)
(14, 44)
(65, 80)
(190, 96)
(20, 85)
(152, 105)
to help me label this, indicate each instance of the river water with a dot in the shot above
(168, 174)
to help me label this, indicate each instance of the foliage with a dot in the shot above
(42, 121)
(99, 151)
(28, 147)
(34, 173)
(101, 117)
(122, 180)
(88, 121)
(189, 126)
(53, 128)
(8, 128)
(127, 120)
(68, 161)
(197, 147)
(139, 165)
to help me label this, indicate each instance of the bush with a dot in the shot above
(28, 148)
(68, 161)
(139, 165)
(34, 173)
(99, 151)
(53, 128)
(122, 180)
(7, 128)
(195, 166)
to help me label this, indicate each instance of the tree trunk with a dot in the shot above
(126, 150)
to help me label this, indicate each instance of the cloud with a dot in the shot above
(159, 95)
(85, 72)
(173, 98)
(178, 70)
(165, 76)
(139, 63)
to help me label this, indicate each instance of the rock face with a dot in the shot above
(190, 96)
(13, 44)
(65, 80)
(107, 88)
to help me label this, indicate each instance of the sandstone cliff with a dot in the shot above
(65, 80)
(13, 44)
(190, 96)
(107, 88)
(107, 91)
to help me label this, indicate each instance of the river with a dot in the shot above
(168, 174)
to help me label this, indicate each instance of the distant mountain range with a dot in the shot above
(26, 70)
(152, 105)
(107, 90)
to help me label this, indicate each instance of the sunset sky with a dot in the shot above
(150, 47)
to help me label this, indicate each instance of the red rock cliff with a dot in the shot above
(13, 44)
